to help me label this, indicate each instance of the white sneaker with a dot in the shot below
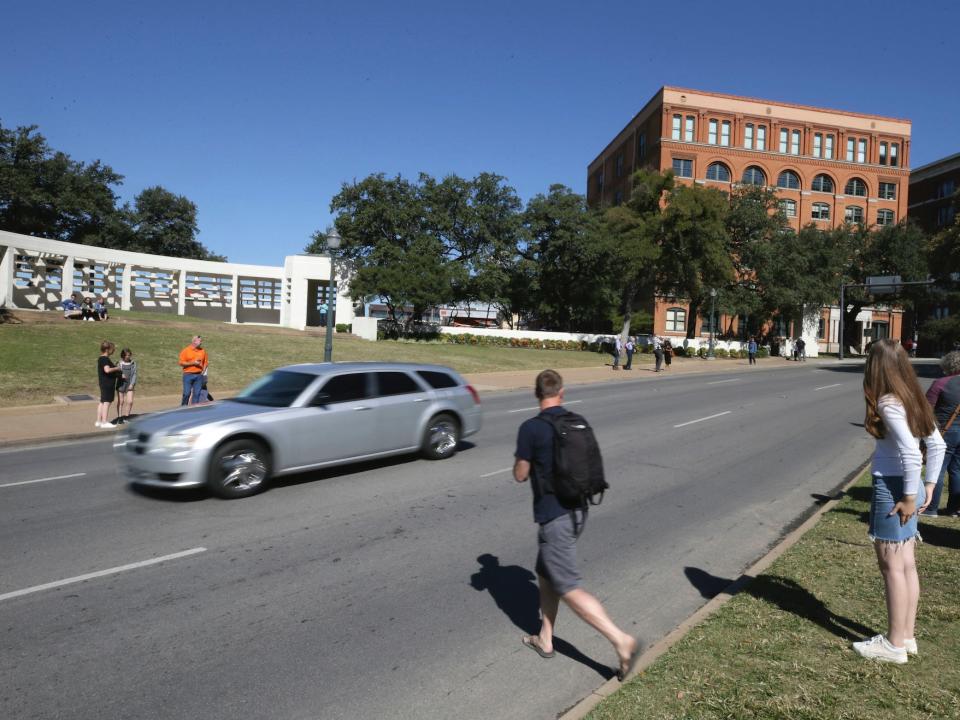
(911, 645)
(879, 648)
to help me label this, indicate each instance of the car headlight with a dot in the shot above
(178, 443)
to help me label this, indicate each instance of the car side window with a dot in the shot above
(437, 380)
(345, 388)
(396, 383)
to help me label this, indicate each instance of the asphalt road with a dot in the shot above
(400, 589)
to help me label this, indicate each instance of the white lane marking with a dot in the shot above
(55, 477)
(718, 382)
(100, 573)
(497, 472)
(828, 386)
(709, 417)
(537, 407)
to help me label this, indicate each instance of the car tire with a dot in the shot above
(239, 468)
(441, 437)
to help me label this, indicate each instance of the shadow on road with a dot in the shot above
(514, 590)
(786, 594)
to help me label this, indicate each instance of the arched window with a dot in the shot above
(885, 217)
(822, 183)
(754, 176)
(820, 211)
(855, 186)
(676, 320)
(853, 214)
(718, 171)
(788, 180)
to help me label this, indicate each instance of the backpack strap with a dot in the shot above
(953, 417)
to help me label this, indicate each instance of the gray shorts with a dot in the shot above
(557, 552)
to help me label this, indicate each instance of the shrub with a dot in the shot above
(344, 327)
(647, 349)
(763, 352)
(701, 351)
(721, 352)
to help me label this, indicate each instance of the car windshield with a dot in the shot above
(278, 389)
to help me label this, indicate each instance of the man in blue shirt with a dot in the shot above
(557, 573)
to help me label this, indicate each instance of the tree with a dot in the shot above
(165, 224)
(944, 263)
(694, 254)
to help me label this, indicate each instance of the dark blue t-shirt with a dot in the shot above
(535, 445)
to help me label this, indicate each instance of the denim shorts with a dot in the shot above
(887, 491)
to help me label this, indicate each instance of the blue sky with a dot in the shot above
(259, 111)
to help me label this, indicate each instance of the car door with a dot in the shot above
(401, 404)
(341, 423)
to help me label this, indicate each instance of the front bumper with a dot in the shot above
(142, 464)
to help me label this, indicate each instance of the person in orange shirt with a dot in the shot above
(193, 360)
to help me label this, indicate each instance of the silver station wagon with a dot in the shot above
(299, 418)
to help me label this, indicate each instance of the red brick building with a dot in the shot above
(828, 167)
(932, 193)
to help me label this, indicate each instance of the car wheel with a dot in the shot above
(441, 438)
(239, 468)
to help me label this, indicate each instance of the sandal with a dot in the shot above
(533, 642)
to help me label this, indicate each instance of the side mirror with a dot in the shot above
(321, 399)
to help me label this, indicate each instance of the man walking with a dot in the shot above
(752, 351)
(630, 347)
(557, 573)
(193, 361)
(658, 353)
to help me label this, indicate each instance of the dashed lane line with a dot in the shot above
(709, 417)
(825, 387)
(46, 479)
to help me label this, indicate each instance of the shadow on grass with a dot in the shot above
(786, 594)
(514, 590)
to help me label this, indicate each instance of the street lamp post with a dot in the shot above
(713, 321)
(333, 242)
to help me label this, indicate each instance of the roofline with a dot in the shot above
(657, 94)
(931, 165)
(787, 104)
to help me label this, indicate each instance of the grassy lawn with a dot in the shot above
(46, 356)
(780, 648)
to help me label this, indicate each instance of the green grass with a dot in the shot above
(781, 648)
(46, 356)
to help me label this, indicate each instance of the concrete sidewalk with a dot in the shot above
(35, 424)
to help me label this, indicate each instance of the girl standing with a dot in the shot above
(125, 388)
(898, 415)
(107, 377)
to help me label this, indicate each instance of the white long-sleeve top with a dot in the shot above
(898, 452)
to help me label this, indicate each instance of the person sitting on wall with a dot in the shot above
(87, 308)
(100, 309)
(71, 308)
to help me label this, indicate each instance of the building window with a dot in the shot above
(682, 168)
(710, 324)
(861, 151)
(676, 320)
(821, 327)
(888, 191)
(788, 180)
(718, 171)
(893, 154)
(885, 217)
(789, 208)
(945, 215)
(688, 129)
(946, 189)
(828, 147)
(712, 132)
(600, 181)
(853, 214)
(851, 148)
(619, 165)
(817, 144)
(725, 133)
(795, 143)
(754, 176)
(618, 197)
(856, 187)
(675, 134)
(761, 137)
(822, 183)
(748, 136)
(883, 153)
(641, 146)
(784, 140)
(821, 211)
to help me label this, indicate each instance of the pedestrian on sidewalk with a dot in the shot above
(897, 415)
(944, 397)
(107, 375)
(801, 350)
(559, 528)
(617, 348)
(127, 385)
(194, 361)
(752, 351)
(667, 352)
(657, 353)
(630, 347)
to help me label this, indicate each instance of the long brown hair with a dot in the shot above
(889, 372)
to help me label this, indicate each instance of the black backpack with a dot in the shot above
(577, 465)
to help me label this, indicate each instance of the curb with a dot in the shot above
(653, 653)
